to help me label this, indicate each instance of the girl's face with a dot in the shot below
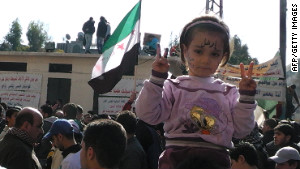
(204, 54)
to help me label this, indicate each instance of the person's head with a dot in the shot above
(87, 118)
(91, 19)
(70, 110)
(128, 121)
(59, 102)
(59, 114)
(283, 134)
(102, 19)
(46, 110)
(204, 44)
(286, 158)
(269, 124)
(243, 155)
(103, 144)
(61, 132)
(30, 120)
(79, 112)
(10, 117)
(293, 86)
(100, 116)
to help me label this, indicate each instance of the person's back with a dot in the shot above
(151, 143)
(88, 27)
(101, 34)
(134, 156)
(102, 29)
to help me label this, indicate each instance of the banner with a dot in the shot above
(271, 68)
(111, 105)
(125, 87)
(266, 89)
(19, 98)
(20, 81)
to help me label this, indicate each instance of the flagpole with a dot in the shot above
(139, 40)
(135, 70)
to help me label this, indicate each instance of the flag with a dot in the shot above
(120, 53)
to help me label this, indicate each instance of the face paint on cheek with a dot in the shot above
(190, 61)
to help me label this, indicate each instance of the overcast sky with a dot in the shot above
(256, 22)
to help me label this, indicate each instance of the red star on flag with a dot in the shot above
(121, 46)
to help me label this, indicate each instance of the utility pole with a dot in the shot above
(283, 8)
(210, 4)
(282, 35)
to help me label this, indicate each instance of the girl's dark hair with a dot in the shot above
(213, 24)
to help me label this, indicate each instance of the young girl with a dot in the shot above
(200, 114)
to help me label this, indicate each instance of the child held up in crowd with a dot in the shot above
(201, 114)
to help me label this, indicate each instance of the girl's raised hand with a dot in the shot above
(160, 64)
(247, 83)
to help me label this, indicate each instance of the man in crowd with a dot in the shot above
(244, 156)
(101, 33)
(286, 158)
(290, 95)
(88, 30)
(283, 137)
(134, 156)
(62, 135)
(17, 146)
(103, 145)
(268, 130)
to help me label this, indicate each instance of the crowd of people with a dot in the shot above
(103, 33)
(193, 121)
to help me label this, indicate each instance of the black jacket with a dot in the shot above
(272, 148)
(88, 27)
(102, 29)
(16, 153)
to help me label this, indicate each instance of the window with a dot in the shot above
(13, 66)
(63, 68)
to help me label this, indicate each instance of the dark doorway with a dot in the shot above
(58, 88)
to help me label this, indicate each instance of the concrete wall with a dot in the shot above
(38, 62)
(82, 65)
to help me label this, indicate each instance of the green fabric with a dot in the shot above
(125, 27)
(269, 106)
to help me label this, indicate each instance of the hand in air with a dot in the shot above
(132, 96)
(160, 64)
(247, 83)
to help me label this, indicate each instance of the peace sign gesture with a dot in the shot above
(247, 83)
(160, 64)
